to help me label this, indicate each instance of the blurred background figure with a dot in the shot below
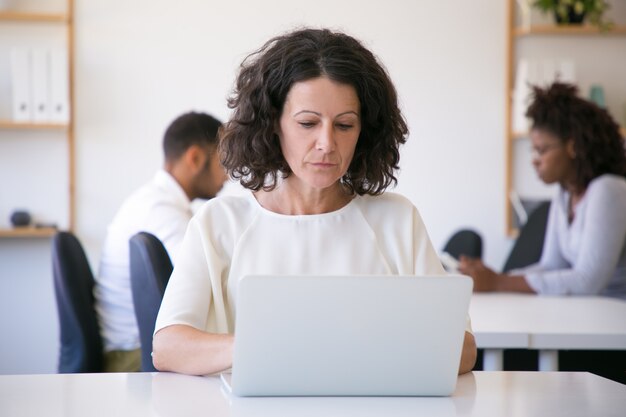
(162, 207)
(577, 145)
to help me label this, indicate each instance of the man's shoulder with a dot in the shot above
(151, 195)
(149, 207)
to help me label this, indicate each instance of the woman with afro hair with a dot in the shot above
(578, 146)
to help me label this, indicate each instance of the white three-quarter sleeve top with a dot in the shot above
(588, 255)
(231, 237)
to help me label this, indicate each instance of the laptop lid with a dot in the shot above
(349, 335)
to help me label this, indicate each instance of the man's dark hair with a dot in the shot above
(189, 129)
(249, 146)
(598, 144)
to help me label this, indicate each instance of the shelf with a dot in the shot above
(27, 232)
(19, 23)
(14, 16)
(584, 30)
(538, 40)
(7, 124)
(512, 232)
(518, 135)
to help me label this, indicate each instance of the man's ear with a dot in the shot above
(195, 157)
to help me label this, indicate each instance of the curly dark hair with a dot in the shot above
(250, 148)
(598, 144)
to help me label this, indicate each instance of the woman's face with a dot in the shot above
(552, 159)
(318, 130)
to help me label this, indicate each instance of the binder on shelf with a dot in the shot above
(525, 76)
(59, 86)
(549, 72)
(567, 71)
(22, 105)
(40, 85)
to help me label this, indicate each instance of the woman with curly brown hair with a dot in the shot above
(315, 135)
(578, 146)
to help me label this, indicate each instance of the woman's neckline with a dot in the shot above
(341, 209)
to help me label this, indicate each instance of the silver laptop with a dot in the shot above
(348, 335)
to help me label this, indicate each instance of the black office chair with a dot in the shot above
(465, 242)
(150, 269)
(81, 343)
(529, 244)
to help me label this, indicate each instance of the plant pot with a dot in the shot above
(571, 18)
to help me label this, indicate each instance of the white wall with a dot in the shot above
(139, 64)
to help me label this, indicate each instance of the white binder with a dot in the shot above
(549, 69)
(59, 87)
(20, 85)
(567, 71)
(520, 96)
(40, 85)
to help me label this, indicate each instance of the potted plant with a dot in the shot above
(575, 11)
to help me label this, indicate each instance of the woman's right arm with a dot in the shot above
(184, 349)
(192, 327)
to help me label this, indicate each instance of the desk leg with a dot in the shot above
(548, 360)
(493, 359)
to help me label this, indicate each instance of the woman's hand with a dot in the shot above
(485, 279)
(468, 354)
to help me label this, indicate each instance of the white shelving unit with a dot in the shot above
(597, 57)
(36, 159)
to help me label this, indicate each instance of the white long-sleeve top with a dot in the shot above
(231, 237)
(588, 256)
(160, 207)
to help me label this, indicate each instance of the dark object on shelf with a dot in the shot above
(20, 218)
(46, 226)
(571, 18)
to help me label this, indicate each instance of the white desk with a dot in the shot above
(485, 394)
(506, 321)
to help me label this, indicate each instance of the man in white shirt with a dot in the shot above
(162, 207)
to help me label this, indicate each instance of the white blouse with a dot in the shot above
(231, 237)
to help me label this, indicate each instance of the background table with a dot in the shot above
(522, 321)
(484, 394)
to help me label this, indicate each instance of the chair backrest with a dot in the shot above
(81, 343)
(465, 242)
(150, 269)
(529, 244)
